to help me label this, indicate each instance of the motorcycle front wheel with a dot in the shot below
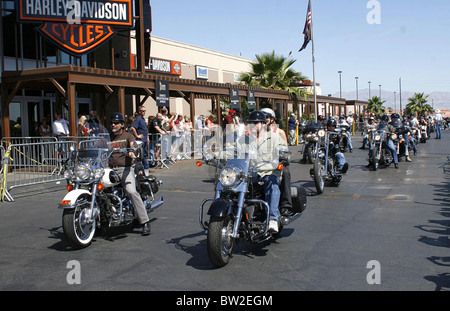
(220, 242)
(375, 160)
(79, 230)
(318, 178)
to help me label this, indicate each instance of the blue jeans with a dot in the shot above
(340, 159)
(410, 140)
(438, 130)
(272, 195)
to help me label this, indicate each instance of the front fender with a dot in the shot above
(70, 198)
(219, 208)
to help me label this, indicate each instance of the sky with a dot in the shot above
(410, 41)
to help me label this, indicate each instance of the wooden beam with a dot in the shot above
(58, 87)
(71, 98)
(121, 100)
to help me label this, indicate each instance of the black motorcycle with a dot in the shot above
(311, 137)
(238, 211)
(325, 167)
(381, 155)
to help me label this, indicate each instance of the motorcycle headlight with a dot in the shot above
(229, 176)
(82, 172)
(378, 138)
(99, 173)
(321, 133)
(394, 136)
(68, 174)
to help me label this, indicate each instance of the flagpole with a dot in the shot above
(316, 108)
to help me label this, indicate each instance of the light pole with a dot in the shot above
(357, 92)
(395, 101)
(380, 90)
(370, 96)
(340, 83)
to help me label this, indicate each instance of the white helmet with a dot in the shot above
(269, 112)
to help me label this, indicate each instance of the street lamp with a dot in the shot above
(370, 96)
(380, 90)
(340, 83)
(357, 92)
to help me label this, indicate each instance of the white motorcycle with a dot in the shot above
(96, 198)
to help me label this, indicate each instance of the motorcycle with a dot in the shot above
(325, 167)
(96, 198)
(238, 211)
(415, 135)
(343, 137)
(311, 140)
(381, 154)
(423, 133)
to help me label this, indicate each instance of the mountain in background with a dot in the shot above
(440, 100)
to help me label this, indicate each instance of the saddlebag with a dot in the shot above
(299, 199)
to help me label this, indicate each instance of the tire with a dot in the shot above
(374, 160)
(78, 233)
(220, 244)
(318, 179)
(310, 155)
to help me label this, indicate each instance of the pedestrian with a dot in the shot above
(438, 121)
(139, 130)
(60, 126)
(293, 123)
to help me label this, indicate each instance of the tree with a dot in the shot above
(376, 106)
(418, 105)
(273, 72)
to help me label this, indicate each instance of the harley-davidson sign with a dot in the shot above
(77, 26)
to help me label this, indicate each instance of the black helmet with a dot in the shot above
(395, 116)
(257, 116)
(332, 122)
(117, 116)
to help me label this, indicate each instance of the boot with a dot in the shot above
(408, 159)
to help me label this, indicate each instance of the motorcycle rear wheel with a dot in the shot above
(220, 243)
(78, 230)
(318, 178)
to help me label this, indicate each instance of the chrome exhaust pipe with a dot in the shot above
(157, 204)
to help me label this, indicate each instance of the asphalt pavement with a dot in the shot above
(385, 230)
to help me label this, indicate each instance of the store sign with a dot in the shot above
(164, 66)
(251, 100)
(77, 26)
(201, 73)
(162, 93)
(234, 98)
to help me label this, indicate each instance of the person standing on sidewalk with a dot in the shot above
(438, 122)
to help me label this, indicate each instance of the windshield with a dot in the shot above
(94, 150)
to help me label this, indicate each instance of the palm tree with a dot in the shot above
(273, 72)
(376, 106)
(418, 105)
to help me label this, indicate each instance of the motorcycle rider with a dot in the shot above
(397, 123)
(384, 125)
(343, 122)
(370, 125)
(334, 147)
(285, 182)
(266, 146)
(408, 138)
(123, 165)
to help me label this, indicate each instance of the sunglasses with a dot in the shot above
(116, 122)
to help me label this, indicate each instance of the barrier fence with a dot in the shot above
(29, 161)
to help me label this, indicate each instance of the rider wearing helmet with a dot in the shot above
(285, 182)
(334, 147)
(266, 144)
(123, 165)
(384, 125)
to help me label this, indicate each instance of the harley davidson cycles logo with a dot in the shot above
(77, 26)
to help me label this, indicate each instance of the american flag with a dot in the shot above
(307, 30)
